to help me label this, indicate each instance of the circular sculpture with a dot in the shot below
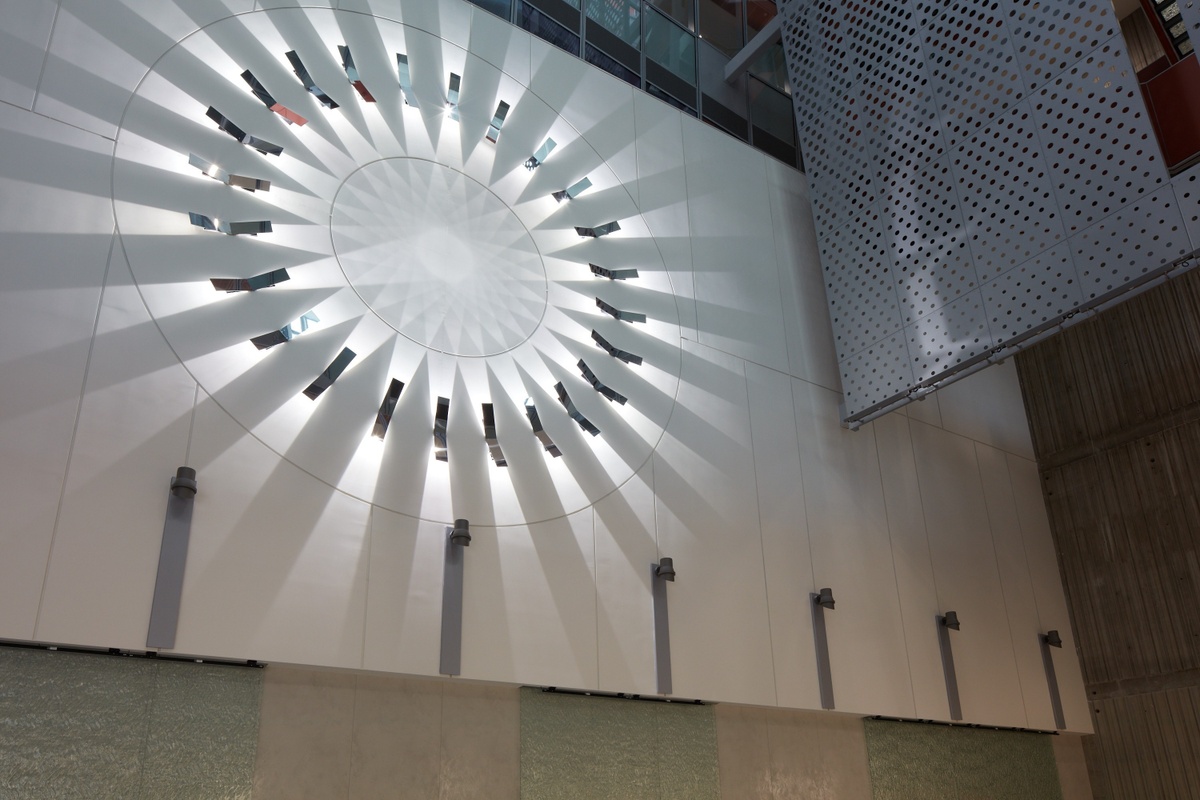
(416, 281)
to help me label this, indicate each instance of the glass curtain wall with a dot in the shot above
(656, 46)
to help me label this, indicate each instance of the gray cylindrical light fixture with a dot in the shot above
(665, 569)
(660, 574)
(945, 623)
(822, 600)
(184, 483)
(457, 537)
(1047, 640)
(172, 559)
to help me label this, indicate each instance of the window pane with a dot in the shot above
(721, 24)
(679, 10)
(618, 16)
(501, 8)
(671, 46)
(758, 14)
(772, 69)
(771, 110)
(666, 97)
(610, 64)
(543, 27)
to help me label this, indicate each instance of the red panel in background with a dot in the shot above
(291, 116)
(1173, 97)
(362, 90)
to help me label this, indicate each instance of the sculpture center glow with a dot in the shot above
(438, 257)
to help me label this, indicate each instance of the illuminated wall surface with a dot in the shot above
(96, 726)
(935, 761)
(980, 171)
(146, 323)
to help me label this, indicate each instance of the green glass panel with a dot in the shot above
(910, 760)
(95, 726)
(611, 749)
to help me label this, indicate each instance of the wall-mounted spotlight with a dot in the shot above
(172, 559)
(302, 73)
(591, 378)
(452, 93)
(945, 623)
(538, 431)
(820, 601)
(457, 537)
(250, 228)
(490, 436)
(661, 574)
(352, 73)
(493, 131)
(616, 313)
(665, 569)
(253, 284)
(405, 76)
(613, 274)
(441, 418)
(540, 155)
(261, 145)
(599, 230)
(383, 418)
(287, 332)
(1047, 640)
(331, 374)
(218, 174)
(573, 412)
(270, 102)
(623, 355)
(225, 124)
(247, 228)
(574, 190)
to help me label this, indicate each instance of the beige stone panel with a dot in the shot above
(304, 735)
(743, 757)
(396, 741)
(1072, 768)
(481, 742)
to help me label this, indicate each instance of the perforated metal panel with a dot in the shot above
(1051, 35)
(926, 236)
(1190, 11)
(838, 145)
(858, 283)
(1008, 194)
(1099, 144)
(1039, 292)
(994, 158)
(1134, 241)
(953, 334)
(882, 370)
(1187, 195)
(972, 64)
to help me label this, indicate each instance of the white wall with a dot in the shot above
(747, 480)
